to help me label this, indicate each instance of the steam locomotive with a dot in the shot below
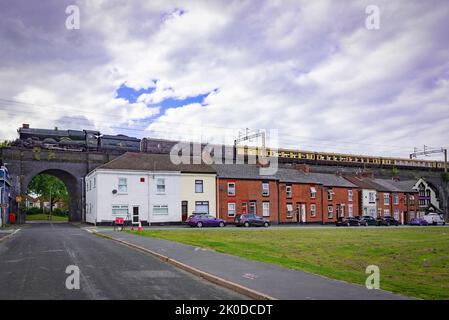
(75, 140)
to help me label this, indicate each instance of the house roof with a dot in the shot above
(296, 176)
(332, 180)
(153, 162)
(241, 171)
(365, 183)
(395, 186)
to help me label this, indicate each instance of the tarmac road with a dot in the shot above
(34, 260)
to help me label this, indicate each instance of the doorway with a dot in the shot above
(135, 215)
(184, 210)
(303, 212)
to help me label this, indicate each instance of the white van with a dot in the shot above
(434, 218)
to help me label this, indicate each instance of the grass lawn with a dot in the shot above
(43, 216)
(413, 261)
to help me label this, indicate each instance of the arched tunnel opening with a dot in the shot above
(53, 193)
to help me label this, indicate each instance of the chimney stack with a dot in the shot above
(365, 174)
(25, 126)
(303, 167)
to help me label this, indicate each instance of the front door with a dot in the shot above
(135, 215)
(184, 210)
(303, 212)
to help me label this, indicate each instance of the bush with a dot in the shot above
(59, 212)
(33, 210)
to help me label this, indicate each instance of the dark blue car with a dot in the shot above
(248, 220)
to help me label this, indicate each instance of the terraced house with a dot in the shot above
(148, 188)
(241, 189)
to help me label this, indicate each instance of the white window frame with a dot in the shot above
(371, 197)
(288, 191)
(350, 210)
(231, 212)
(289, 210)
(158, 184)
(199, 184)
(396, 214)
(95, 182)
(203, 203)
(123, 185)
(265, 189)
(350, 195)
(330, 195)
(312, 192)
(387, 213)
(395, 199)
(265, 209)
(313, 210)
(119, 208)
(160, 207)
(231, 188)
(330, 212)
(386, 199)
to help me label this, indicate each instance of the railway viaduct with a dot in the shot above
(71, 167)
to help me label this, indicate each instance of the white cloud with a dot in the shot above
(307, 68)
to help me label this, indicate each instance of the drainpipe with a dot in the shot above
(322, 205)
(279, 201)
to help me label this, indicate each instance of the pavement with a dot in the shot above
(266, 279)
(33, 262)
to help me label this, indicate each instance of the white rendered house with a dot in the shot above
(148, 188)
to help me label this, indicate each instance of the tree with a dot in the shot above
(48, 188)
(5, 143)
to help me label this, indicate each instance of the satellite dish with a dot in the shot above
(114, 191)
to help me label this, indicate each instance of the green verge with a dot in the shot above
(43, 216)
(413, 261)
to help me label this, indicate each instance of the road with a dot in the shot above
(34, 260)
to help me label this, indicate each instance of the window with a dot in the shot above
(266, 209)
(395, 199)
(386, 212)
(350, 194)
(202, 206)
(312, 210)
(122, 185)
(160, 209)
(198, 186)
(265, 189)
(396, 214)
(120, 210)
(372, 212)
(330, 194)
(372, 197)
(231, 209)
(252, 207)
(312, 192)
(160, 185)
(288, 191)
(231, 188)
(289, 210)
(330, 211)
(350, 210)
(95, 182)
(386, 198)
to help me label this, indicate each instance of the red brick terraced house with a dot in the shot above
(300, 197)
(340, 198)
(241, 189)
(398, 199)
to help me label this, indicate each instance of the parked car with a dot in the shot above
(434, 219)
(349, 221)
(418, 222)
(368, 221)
(248, 220)
(205, 220)
(387, 221)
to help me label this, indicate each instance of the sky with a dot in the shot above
(310, 73)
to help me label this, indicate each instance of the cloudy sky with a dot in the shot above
(206, 69)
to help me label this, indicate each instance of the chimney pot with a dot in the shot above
(25, 126)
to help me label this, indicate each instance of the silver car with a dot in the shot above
(434, 218)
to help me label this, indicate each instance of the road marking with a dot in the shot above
(250, 276)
